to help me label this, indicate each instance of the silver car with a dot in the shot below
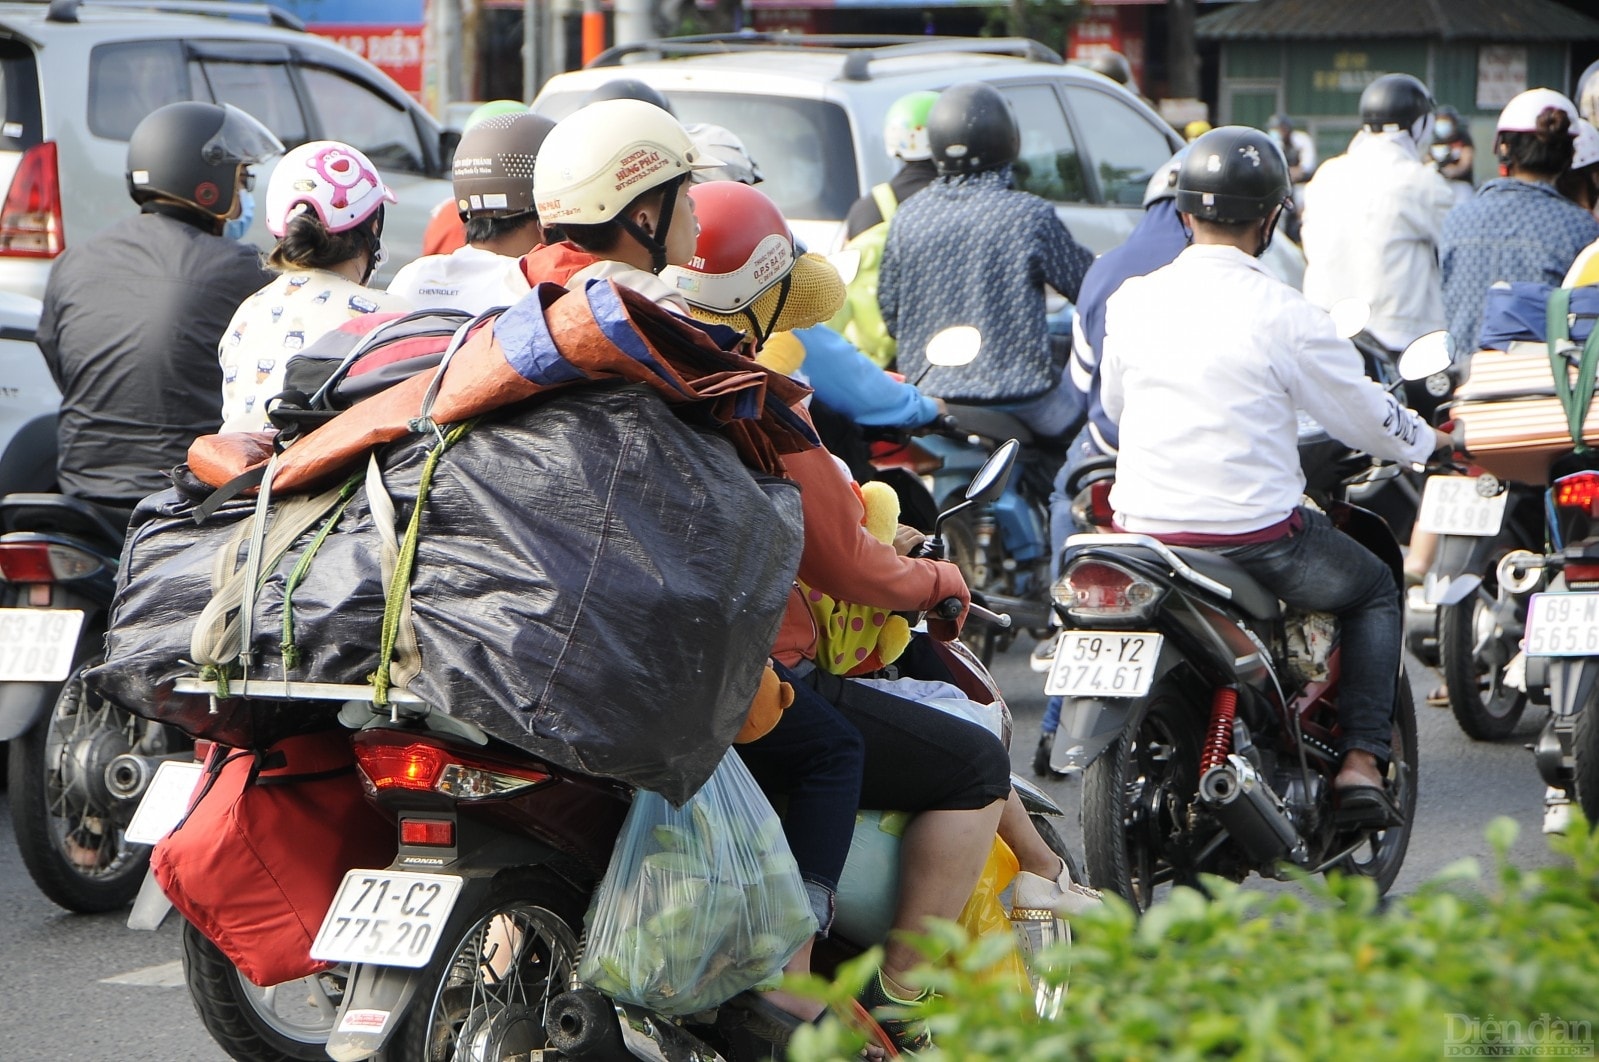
(76, 80)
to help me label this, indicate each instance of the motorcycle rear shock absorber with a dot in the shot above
(1219, 734)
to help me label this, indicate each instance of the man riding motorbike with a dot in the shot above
(1206, 362)
(133, 315)
(905, 137)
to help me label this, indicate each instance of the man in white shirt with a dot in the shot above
(1373, 217)
(493, 181)
(1205, 362)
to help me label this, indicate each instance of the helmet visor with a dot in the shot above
(241, 139)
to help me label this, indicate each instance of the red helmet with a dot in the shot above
(744, 248)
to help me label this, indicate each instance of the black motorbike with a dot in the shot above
(78, 764)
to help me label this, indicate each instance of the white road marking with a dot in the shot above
(166, 975)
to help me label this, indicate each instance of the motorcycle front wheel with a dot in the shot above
(1134, 800)
(1473, 651)
(485, 998)
(1383, 853)
(290, 1022)
(68, 825)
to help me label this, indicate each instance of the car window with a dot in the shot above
(1048, 165)
(128, 80)
(20, 121)
(265, 91)
(1123, 146)
(354, 114)
(815, 181)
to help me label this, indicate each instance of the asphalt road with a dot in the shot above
(86, 988)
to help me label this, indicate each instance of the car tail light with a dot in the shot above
(1097, 589)
(433, 833)
(30, 220)
(1578, 491)
(394, 763)
(45, 562)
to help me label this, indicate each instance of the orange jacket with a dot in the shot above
(445, 230)
(843, 560)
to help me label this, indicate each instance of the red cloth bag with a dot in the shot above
(256, 862)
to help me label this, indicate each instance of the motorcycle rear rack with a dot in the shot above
(281, 690)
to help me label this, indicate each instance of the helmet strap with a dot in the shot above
(760, 331)
(656, 244)
(1268, 228)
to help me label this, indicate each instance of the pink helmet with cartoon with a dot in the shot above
(335, 180)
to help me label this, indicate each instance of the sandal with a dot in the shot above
(906, 1033)
(1439, 697)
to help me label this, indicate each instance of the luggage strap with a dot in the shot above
(1574, 397)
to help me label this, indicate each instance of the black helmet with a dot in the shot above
(1113, 65)
(493, 172)
(972, 128)
(1233, 174)
(191, 152)
(1394, 102)
(630, 88)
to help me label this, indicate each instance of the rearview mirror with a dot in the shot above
(1431, 354)
(992, 478)
(956, 345)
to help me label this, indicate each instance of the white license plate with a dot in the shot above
(1450, 505)
(1103, 664)
(165, 801)
(36, 644)
(1562, 625)
(386, 917)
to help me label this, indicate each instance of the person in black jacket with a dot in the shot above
(132, 315)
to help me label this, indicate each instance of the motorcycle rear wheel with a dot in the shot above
(1383, 854)
(290, 1022)
(1134, 800)
(68, 827)
(1585, 757)
(471, 1004)
(1486, 713)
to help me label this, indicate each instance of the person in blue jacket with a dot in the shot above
(1158, 238)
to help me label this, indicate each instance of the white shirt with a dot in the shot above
(1205, 362)
(469, 278)
(277, 322)
(1373, 218)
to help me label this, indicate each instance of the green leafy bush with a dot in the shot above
(1320, 972)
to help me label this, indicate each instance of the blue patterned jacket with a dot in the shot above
(974, 251)
(1510, 230)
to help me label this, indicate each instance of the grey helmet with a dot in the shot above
(493, 171)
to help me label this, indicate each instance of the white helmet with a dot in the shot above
(601, 157)
(333, 179)
(1585, 147)
(1163, 182)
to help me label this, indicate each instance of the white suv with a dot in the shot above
(810, 110)
(76, 78)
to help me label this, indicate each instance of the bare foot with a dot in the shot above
(1359, 768)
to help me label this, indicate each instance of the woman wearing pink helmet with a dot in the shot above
(324, 203)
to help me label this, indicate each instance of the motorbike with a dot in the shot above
(78, 765)
(1203, 712)
(497, 855)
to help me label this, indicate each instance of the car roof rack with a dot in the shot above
(865, 48)
(67, 10)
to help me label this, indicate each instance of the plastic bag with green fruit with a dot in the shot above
(700, 902)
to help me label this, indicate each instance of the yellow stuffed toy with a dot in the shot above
(858, 639)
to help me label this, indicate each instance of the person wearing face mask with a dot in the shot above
(324, 203)
(132, 314)
(1452, 153)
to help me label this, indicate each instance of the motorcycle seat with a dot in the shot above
(1258, 602)
(60, 514)
(988, 423)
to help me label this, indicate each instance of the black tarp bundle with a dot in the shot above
(597, 581)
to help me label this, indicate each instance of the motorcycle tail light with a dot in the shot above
(1097, 589)
(1581, 574)
(391, 761)
(1579, 491)
(1091, 507)
(433, 833)
(44, 562)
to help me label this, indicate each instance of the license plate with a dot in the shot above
(36, 644)
(1103, 664)
(165, 801)
(1450, 505)
(1562, 625)
(386, 918)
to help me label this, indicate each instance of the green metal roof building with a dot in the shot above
(1310, 59)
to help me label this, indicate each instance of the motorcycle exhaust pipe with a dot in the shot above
(127, 776)
(582, 1025)
(1251, 813)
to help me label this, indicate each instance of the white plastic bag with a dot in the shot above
(700, 902)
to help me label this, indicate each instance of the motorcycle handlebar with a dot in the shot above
(950, 608)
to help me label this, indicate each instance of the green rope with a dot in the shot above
(219, 675)
(1574, 397)
(290, 651)
(401, 584)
